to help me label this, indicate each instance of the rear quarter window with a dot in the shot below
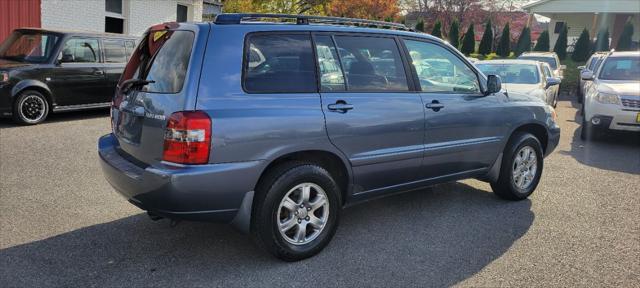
(279, 63)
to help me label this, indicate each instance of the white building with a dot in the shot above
(590, 14)
(131, 17)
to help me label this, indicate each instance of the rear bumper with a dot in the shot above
(211, 192)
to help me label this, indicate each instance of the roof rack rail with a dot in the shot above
(237, 18)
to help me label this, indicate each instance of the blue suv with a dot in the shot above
(274, 127)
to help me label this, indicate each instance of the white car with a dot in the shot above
(612, 101)
(524, 76)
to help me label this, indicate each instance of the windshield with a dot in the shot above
(549, 60)
(29, 46)
(620, 68)
(512, 73)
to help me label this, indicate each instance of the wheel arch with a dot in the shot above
(33, 85)
(338, 167)
(536, 129)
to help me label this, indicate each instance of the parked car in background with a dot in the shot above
(612, 100)
(591, 65)
(330, 116)
(43, 71)
(524, 76)
(550, 58)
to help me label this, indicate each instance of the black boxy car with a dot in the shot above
(43, 71)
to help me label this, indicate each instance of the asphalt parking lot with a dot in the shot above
(61, 224)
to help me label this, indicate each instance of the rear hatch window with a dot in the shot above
(163, 59)
(150, 89)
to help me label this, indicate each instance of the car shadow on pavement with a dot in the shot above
(431, 237)
(612, 150)
(62, 117)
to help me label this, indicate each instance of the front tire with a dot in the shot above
(296, 211)
(30, 108)
(521, 168)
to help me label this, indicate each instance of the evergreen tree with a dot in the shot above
(524, 41)
(543, 42)
(437, 30)
(582, 50)
(469, 41)
(624, 42)
(454, 34)
(504, 46)
(420, 26)
(561, 44)
(602, 40)
(487, 39)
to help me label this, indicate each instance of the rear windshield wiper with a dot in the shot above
(128, 84)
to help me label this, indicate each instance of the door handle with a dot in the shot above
(340, 106)
(98, 73)
(435, 105)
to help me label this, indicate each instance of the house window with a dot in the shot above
(113, 6)
(181, 15)
(113, 25)
(558, 28)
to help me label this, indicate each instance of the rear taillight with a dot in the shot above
(187, 139)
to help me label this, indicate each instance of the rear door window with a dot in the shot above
(81, 50)
(371, 63)
(162, 57)
(114, 51)
(279, 63)
(331, 76)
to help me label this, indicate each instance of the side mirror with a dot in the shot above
(563, 67)
(579, 67)
(587, 76)
(552, 81)
(494, 84)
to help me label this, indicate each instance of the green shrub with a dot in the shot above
(582, 50)
(504, 46)
(487, 40)
(561, 44)
(469, 41)
(437, 30)
(524, 41)
(543, 42)
(454, 34)
(624, 42)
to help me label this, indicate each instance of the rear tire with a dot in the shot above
(281, 211)
(30, 108)
(521, 168)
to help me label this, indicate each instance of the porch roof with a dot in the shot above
(546, 7)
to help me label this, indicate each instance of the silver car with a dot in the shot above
(592, 65)
(612, 100)
(533, 78)
(550, 58)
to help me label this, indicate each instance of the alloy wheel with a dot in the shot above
(303, 213)
(32, 108)
(525, 166)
